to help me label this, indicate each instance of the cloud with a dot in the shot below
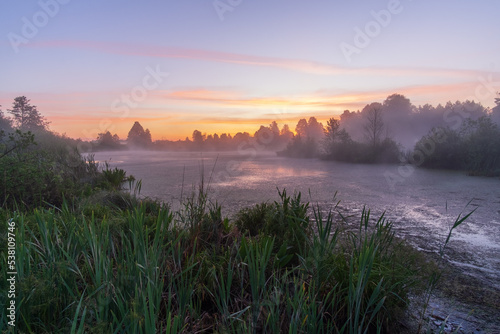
(180, 111)
(297, 65)
(315, 100)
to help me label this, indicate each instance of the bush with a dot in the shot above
(44, 168)
(285, 221)
(300, 148)
(475, 148)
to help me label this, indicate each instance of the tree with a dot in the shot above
(16, 141)
(137, 136)
(332, 130)
(286, 134)
(26, 116)
(337, 143)
(5, 123)
(315, 130)
(481, 139)
(374, 125)
(495, 111)
(397, 104)
(198, 139)
(301, 128)
(265, 135)
(107, 140)
(147, 137)
(275, 129)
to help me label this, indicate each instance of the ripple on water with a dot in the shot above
(478, 239)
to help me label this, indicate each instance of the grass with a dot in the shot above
(135, 266)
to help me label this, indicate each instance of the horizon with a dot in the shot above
(223, 67)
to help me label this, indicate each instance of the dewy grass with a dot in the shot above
(142, 268)
(256, 256)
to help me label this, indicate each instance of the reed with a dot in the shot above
(142, 268)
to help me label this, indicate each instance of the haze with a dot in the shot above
(93, 66)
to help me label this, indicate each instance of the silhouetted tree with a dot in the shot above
(481, 139)
(138, 137)
(285, 135)
(274, 129)
(264, 136)
(5, 123)
(374, 125)
(108, 141)
(397, 105)
(495, 111)
(332, 130)
(26, 116)
(315, 130)
(301, 128)
(198, 139)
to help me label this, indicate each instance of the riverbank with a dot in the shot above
(114, 262)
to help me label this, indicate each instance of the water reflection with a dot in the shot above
(417, 206)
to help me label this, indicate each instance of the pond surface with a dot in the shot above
(423, 204)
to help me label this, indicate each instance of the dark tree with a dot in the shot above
(138, 137)
(5, 123)
(301, 128)
(495, 111)
(332, 130)
(108, 141)
(198, 139)
(315, 130)
(398, 105)
(26, 116)
(374, 125)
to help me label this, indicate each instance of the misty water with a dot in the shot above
(422, 204)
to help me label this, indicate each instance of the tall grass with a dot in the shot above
(141, 268)
(435, 277)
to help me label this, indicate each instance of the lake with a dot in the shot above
(421, 203)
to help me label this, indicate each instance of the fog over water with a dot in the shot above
(422, 204)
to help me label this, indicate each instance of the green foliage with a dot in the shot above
(475, 148)
(285, 221)
(300, 147)
(42, 168)
(347, 150)
(443, 149)
(113, 263)
(114, 178)
(254, 219)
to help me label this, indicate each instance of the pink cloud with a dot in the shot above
(299, 65)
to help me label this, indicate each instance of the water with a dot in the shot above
(423, 204)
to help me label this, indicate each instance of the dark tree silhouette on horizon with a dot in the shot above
(26, 116)
(137, 136)
(374, 126)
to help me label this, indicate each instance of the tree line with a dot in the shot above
(394, 131)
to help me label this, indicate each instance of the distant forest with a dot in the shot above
(459, 135)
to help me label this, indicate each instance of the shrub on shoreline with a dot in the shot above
(138, 267)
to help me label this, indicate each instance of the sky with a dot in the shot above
(233, 65)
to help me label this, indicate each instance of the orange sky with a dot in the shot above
(174, 114)
(177, 66)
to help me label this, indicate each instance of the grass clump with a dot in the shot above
(142, 268)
